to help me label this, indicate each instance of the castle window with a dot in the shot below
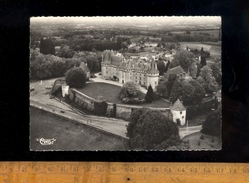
(155, 82)
(182, 117)
(180, 112)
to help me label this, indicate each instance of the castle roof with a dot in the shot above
(176, 70)
(177, 106)
(116, 60)
(153, 68)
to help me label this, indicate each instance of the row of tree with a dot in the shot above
(191, 91)
(48, 66)
(189, 38)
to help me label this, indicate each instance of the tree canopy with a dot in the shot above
(212, 124)
(164, 88)
(93, 63)
(190, 91)
(207, 80)
(75, 77)
(65, 51)
(149, 97)
(183, 58)
(47, 46)
(129, 90)
(161, 67)
(150, 129)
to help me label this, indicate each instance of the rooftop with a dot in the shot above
(176, 70)
(177, 106)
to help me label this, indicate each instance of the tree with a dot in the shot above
(188, 32)
(129, 90)
(75, 77)
(187, 93)
(212, 124)
(124, 45)
(65, 51)
(150, 129)
(207, 80)
(47, 46)
(40, 67)
(176, 91)
(184, 59)
(149, 95)
(216, 73)
(93, 63)
(203, 60)
(162, 90)
(170, 82)
(190, 91)
(199, 92)
(161, 67)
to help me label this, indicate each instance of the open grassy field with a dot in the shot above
(69, 135)
(211, 32)
(111, 94)
(215, 50)
(208, 142)
(195, 45)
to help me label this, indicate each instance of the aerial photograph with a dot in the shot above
(125, 83)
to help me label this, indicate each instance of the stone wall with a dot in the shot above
(122, 111)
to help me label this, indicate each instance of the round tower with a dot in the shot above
(179, 112)
(153, 75)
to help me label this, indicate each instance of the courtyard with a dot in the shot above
(110, 93)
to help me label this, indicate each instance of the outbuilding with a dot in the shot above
(179, 112)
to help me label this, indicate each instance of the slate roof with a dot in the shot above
(176, 70)
(177, 106)
(130, 64)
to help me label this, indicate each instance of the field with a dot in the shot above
(214, 49)
(111, 94)
(69, 135)
(208, 142)
(211, 32)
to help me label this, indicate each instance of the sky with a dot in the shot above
(162, 19)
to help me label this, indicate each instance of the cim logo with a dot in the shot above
(46, 141)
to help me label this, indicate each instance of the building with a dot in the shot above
(178, 71)
(179, 112)
(141, 71)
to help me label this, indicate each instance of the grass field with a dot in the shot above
(215, 50)
(111, 94)
(211, 32)
(208, 142)
(69, 135)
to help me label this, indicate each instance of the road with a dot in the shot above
(109, 125)
(193, 129)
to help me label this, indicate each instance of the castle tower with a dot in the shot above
(153, 75)
(179, 112)
(106, 61)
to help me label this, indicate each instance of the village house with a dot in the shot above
(178, 71)
(140, 71)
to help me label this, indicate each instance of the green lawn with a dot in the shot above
(111, 94)
(69, 135)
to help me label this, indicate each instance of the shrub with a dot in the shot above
(130, 89)
(132, 101)
(100, 106)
